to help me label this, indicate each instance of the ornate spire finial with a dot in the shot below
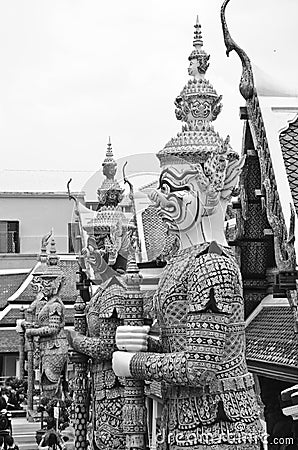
(197, 40)
(43, 256)
(198, 105)
(53, 257)
(133, 276)
(109, 164)
(110, 192)
(49, 267)
(199, 60)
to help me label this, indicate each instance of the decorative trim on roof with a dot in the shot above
(268, 301)
(284, 245)
(271, 338)
(275, 371)
(288, 139)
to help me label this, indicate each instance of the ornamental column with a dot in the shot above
(134, 411)
(30, 359)
(81, 382)
(21, 331)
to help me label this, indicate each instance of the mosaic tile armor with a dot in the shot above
(209, 400)
(207, 390)
(52, 342)
(46, 323)
(104, 313)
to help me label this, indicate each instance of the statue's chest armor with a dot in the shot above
(43, 315)
(172, 304)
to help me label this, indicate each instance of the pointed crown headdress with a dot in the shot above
(109, 185)
(197, 106)
(49, 272)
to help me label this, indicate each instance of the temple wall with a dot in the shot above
(37, 214)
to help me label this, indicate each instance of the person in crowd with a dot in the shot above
(3, 403)
(68, 437)
(10, 443)
(48, 438)
(12, 403)
(50, 442)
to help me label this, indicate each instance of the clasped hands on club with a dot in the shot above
(129, 340)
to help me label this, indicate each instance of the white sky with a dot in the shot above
(74, 72)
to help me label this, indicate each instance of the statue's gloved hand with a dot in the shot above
(20, 325)
(26, 324)
(132, 338)
(121, 363)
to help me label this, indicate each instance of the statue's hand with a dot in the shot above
(20, 325)
(121, 363)
(132, 338)
(27, 324)
(70, 335)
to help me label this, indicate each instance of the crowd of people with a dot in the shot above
(12, 399)
(8, 443)
(9, 399)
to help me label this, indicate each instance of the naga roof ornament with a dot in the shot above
(246, 85)
(110, 192)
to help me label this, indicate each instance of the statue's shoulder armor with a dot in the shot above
(109, 298)
(214, 281)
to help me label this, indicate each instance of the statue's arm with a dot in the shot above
(195, 366)
(55, 314)
(101, 347)
(94, 347)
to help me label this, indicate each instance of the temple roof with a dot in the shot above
(289, 146)
(272, 113)
(280, 120)
(271, 340)
(9, 284)
(9, 341)
(17, 290)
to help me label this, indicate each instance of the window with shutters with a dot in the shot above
(9, 237)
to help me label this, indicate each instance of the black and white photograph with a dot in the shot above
(148, 217)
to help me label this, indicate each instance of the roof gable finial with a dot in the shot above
(246, 85)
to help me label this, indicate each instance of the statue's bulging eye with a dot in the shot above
(165, 188)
